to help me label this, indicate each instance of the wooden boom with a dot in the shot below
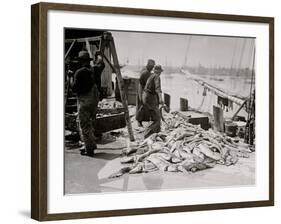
(216, 90)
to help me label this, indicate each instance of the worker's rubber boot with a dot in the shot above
(88, 152)
(98, 137)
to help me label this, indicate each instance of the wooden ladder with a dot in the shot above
(106, 42)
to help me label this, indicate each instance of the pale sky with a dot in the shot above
(171, 49)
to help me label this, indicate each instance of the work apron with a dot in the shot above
(142, 112)
(151, 102)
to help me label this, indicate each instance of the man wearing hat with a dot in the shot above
(152, 97)
(87, 99)
(141, 111)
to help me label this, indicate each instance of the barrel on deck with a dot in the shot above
(231, 129)
(183, 104)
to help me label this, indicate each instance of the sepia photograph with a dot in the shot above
(157, 111)
(141, 111)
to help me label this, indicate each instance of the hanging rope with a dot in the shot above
(200, 106)
(204, 91)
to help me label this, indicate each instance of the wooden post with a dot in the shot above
(108, 37)
(88, 46)
(240, 108)
(167, 100)
(68, 81)
(69, 49)
(218, 118)
(183, 104)
(106, 77)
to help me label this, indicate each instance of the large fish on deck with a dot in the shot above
(181, 147)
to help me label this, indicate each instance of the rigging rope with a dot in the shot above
(241, 56)
(199, 108)
(232, 60)
(240, 63)
(249, 60)
(249, 136)
(251, 88)
(187, 51)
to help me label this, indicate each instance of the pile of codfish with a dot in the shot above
(109, 104)
(181, 147)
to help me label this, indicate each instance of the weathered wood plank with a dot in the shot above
(218, 118)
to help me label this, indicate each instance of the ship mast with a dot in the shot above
(186, 52)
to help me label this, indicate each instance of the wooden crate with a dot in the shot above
(103, 124)
(110, 122)
(196, 118)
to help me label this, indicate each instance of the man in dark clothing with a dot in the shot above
(87, 99)
(98, 69)
(152, 97)
(141, 110)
